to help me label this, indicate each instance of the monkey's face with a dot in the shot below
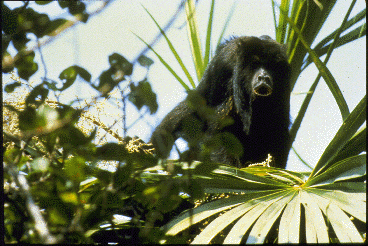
(265, 70)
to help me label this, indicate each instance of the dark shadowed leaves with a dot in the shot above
(143, 95)
(26, 65)
(43, 2)
(74, 7)
(39, 92)
(32, 21)
(70, 74)
(112, 151)
(20, 40)
(28, 119)
(231, 143)
(9, 21)
(119, 68)
(120, 63)
(11, 87)
(71, 137)
(145, 61)
(53, 25)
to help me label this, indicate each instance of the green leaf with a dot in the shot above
(83, 73)
(345, 39)
(145, 61)
(9, 24)
(53, 25)
(353, 201)
(41, 24)
(18, 143)
(231, 143)
(43, 2)
(204, 211)
(40, 164)
(356, 145)
(11, 155)
(51, 85)
(76, 7)
(301, 159)
(11, 87)
(26, 66)
(39, 90)
(253, 211)
(70, 74)
(281, 28)
(63, 4)
(84, 185)
(173, 50)
(194, 39)
(226, 140)
(120, 63)
(28, 119)
(20, 41)
(316, 229)
(57, 217)
(267, 219)
(326, 74)
(346, 131)
(72, 137)
(348, 168)
(69, 197)
(106, 82)
(290, 222)
(7, 59)
(340, 222)
(208, 39)
(112, 151)
(343, 227)
(75, 168)
(143, 95)
(347, 186)
(186, 87)
(322, 47)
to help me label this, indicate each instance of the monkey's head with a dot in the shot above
(249, 69)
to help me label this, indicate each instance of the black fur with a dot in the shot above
(248, 80)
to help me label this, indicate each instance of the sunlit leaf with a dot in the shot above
(40, 164)
(75, 168)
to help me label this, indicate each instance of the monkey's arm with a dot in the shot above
(168, 131)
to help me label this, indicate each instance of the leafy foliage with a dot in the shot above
(53, 165)
(55, 190)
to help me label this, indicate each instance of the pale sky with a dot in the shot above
(89, 45)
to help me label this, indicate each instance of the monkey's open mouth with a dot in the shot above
(262, 89)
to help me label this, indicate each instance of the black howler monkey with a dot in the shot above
(247, 80)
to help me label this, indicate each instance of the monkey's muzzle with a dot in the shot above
(262, 83)
(262, 89)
